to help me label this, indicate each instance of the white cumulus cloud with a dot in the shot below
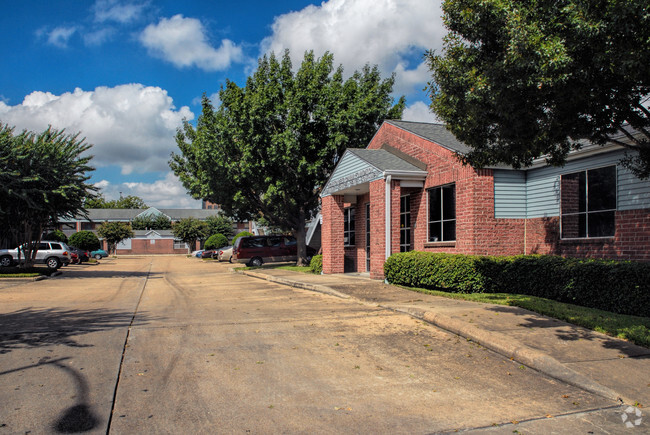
(419, 112)
(131, 125)
(183, 42)
(167, 192)
(382, 32)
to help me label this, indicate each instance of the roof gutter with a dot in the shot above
(406, 175)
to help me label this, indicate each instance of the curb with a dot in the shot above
(495, 341)
(27, 279)
(296, 284)
(513, 349)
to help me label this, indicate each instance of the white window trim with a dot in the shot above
(441, 214)
(346, 217)
(586, 199)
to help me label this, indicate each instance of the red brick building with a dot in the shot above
(145, 241)
(410, 176)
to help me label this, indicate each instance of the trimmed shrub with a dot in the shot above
(56, 236)
(454, 272)
(241, 234)
(216, 241)
(86, 240)
(616, 286)
(316, 264)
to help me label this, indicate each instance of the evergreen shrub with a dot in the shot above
(617, 286)
(316, 264)
(216, 241)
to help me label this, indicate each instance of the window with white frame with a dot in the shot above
(179, 244)
(405, 224)
(348, 227)
(588, 203)
(442, 213)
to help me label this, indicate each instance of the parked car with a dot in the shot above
(99, 254)
(225, 254)
(257, 250)
(53, 254)
(207, 253)
(78, 255)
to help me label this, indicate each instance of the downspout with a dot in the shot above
(388, 220)
(525, 212)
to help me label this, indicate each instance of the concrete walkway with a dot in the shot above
(610, 367)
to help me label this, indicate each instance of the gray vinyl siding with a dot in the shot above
(632, 192)
(509, 194)
(349, 165)
(543, 193)
(541, 188)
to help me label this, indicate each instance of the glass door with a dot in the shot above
(405, 224)
(368, 237)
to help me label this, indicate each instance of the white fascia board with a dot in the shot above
(406, 175)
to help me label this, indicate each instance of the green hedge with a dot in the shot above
(216, 241)
(84, 239)
(616, 286)
(316, 264)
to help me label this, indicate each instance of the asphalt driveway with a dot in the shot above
(178, 345)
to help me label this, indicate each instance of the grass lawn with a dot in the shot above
(31, 272)
(632, 328)
(292, 267)
(302, 269)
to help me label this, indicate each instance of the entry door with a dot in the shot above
(368, 237)
(405, 224)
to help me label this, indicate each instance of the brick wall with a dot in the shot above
(477, 230)
(377, 228)
(631, 240)
(332, 234)
(145, 247)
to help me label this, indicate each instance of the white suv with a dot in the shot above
(52, 254)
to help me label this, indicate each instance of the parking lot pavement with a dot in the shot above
(186, 346)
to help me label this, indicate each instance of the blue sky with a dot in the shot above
(125, 73)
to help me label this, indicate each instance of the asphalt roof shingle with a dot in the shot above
(383, 160)
(437, 133)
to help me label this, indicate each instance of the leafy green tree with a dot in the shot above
(114, 233)
(520, 79)
(151, 222)
(57, 235)
(270, 146)
(129, 201)
(220, 225)
(42, 179)
(86, 240)
(216, 241)
(190, 230)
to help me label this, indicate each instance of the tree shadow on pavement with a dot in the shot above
(569, 332)
(30, 328)
(71, 272)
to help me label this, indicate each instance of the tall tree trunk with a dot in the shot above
(301, 238)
